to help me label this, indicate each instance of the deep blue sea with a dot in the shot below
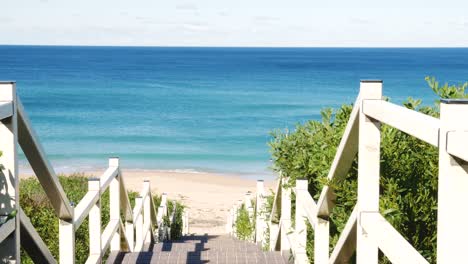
(201, 109)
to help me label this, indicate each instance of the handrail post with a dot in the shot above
(368, 171)
(66, 241)
(147, 210)
(453, 186)
(285, 216)
(94, 185)
(301, 226)
(138, 226)
(260, 214)
(114, 204)
(9, 191)
(130, 232)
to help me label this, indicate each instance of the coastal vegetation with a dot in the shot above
(408, 183)
(37, 207)
(245, 226)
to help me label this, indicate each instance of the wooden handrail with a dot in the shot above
(41, 166)
(6, 109)
(404, 119)
(19, 130)
(366, 229)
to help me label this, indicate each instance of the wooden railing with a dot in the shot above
(128, 229)
(366, 230)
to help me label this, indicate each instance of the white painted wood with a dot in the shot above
(6, 109)
(44, 171)
(309, 207)
(274, 207)
(95, 221)
(409, 121)
(138, 226)
(452, 229)
(260, 219)
(82, 209)
(322, 241)
(300, 229)
(368, 171)
(346, 245)
(124, 200)
(125, 245)
(274, 235)
(93, 259)
(146, 232)
(393, 244)
(107, 235)
(114, 204)
(130, 234)
(33, 243)
(6, 229)
(187, 222)
(66, 242)
(457, 144)
(147, 209)
(9, 178)
(285, 216)
(109, 175)
(345, 154)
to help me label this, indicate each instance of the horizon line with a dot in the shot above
(252, 47)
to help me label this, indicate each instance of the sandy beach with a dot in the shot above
(208, 196)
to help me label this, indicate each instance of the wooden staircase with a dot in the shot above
(197, 249)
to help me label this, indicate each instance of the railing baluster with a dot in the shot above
(147, 210)
(368, 171)
(285, 216)
(94, 185)
(138, 226)
(114, 204)
(301, 227)
(453, 187)
(130, 231)
(260, 214)
(67, 241)
(9, 190)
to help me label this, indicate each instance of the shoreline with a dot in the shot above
(207, 196)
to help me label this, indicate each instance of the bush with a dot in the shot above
(37, 207)
(244, 226)
(408, 182)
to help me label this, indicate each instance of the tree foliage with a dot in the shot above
(408, 182)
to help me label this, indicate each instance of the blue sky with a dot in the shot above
(311, 23)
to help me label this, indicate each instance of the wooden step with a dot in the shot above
(204, 249)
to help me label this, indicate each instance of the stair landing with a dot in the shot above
(197, 249)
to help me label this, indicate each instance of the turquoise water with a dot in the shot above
(201, 109)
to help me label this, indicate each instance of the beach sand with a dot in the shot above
(208, 196)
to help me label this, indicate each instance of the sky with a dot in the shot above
(264, 23)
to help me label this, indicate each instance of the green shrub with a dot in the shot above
(408, 182)
(244, 226)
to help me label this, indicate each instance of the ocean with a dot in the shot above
(200, 109)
